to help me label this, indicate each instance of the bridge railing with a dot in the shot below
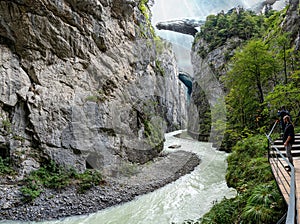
(286, 179)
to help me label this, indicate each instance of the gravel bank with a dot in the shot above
(53, 204)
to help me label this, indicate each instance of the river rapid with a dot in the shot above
(189, 197)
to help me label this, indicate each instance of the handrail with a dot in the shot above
(268, 136)
(291, 213)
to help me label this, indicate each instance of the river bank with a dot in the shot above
(188, 198)
(53, 204)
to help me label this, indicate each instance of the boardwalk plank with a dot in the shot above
(280, 172)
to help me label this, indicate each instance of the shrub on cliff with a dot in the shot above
(57, 177)
(5, 168)
(247, 155)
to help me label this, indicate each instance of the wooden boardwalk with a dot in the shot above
(283, 176)
(297, 176)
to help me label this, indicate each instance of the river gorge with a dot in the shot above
(91, 88)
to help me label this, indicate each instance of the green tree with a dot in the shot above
(283, 54)
(287, 95)
(248, 81)
(236, 23)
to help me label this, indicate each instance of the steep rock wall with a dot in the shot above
(207, 101)
(84, 83)
(291, 23)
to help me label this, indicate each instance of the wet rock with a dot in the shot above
(174, 146)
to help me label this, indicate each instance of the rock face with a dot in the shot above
(207, 100)
(185, 26)
(187, 81)
(84, 83)
(291, 23)
(265, 5)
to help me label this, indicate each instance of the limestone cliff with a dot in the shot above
(84, 83)
(207, 101)
(291, 22)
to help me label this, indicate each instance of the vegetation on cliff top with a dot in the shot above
(236, 23)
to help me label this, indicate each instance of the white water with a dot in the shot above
(189, 197)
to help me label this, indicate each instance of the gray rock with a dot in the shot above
(184, 26)
(13, 78)
(208, 94)
(83, 79)
(2, 139)
(174, 146)
(27, 166)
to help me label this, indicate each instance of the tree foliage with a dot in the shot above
(5, 167)
(236, 23)
(252, 67)
(263, 75)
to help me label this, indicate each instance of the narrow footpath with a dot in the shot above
(282, 176)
